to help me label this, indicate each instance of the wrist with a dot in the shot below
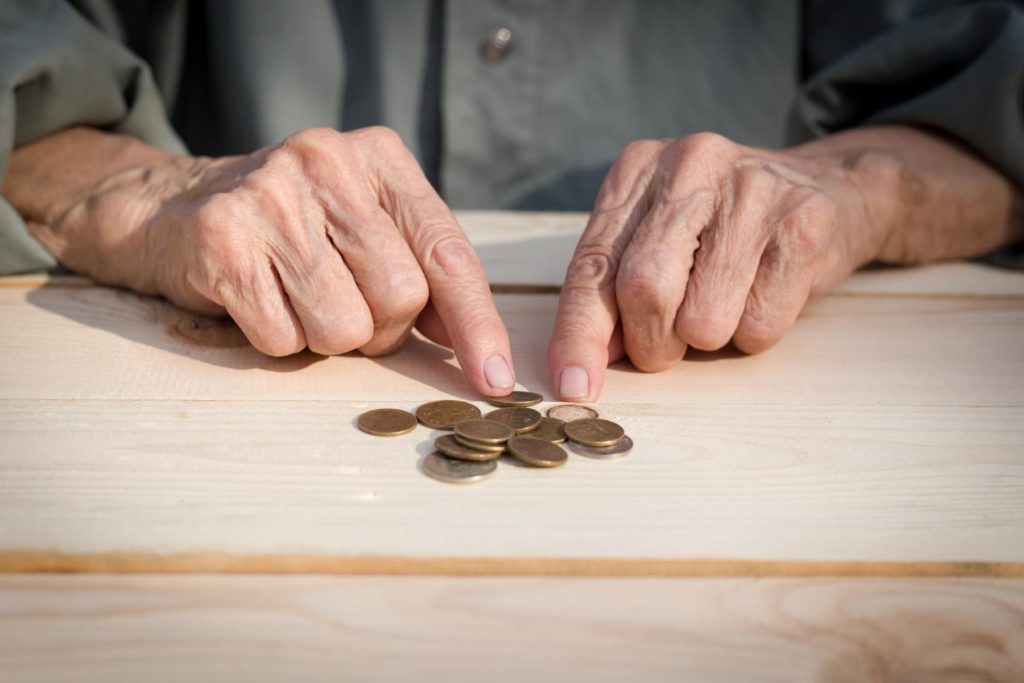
(860, 178)
(910, 196)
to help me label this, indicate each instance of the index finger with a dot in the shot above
(458, 286)
(587, 310)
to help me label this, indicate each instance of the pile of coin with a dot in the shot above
(471, 452)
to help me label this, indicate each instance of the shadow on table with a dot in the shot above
(429, 364)
(218, 341)
(162, 325)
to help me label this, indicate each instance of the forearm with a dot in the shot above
(925, 196)
(83, 194)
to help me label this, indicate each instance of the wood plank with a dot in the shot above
(883, 429)
(161, 628)
(99, 343)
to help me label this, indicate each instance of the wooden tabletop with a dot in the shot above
(883, 437)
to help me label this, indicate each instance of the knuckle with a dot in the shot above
(759, 331)
(380, 137)
(640, 151)
(329, 333)
(591, 268)
(405, 296)
(310, 139)
(643, 290)
(452, 253)
(308, 150)
(277, 340)
(650, 362)
(707, 144)
(707, 333)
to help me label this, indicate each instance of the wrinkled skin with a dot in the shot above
(700, 241)
(337, 242)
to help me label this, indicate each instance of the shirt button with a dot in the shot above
(494, 48)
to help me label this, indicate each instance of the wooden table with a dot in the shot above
(848, 506)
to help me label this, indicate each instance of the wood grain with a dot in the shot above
(174, 628)
(882, 430)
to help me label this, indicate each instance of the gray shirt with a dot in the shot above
(513, 104)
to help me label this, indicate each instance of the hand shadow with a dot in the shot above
(161, 325)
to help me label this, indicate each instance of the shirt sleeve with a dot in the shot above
(58, 70)
(958, 70)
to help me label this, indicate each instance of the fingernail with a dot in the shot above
(574, 383)
(498, 374)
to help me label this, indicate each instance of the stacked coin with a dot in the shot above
(471, 452)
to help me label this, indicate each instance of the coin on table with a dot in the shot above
(452, 471)
(567, 412)
(549, 429)
(484, 431)
(386, 422)
(536, 452)
(520, 419)
(594, 432)
(517, 399)
(498, 448)
(444, 414)
(449, 446)
(619, 450)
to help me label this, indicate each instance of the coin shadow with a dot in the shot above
(507, 460)
(425, 448)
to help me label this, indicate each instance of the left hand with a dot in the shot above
(699, 241)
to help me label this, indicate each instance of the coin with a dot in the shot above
(594, 432)
(386, 422)
(568, 412)
(536, 452)
(453, 449)
(520, 419)
(517, 399)
(549, 429)
(484, 431)
(444, 414)
(452, 471)
(619, 450)
(498, 448)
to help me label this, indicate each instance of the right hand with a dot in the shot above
(332, 241)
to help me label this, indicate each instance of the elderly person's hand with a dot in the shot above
(699, 241)
(332, 241)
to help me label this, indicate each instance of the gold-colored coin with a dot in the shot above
(549, 429)
(517, 399)
(498, 448)
(536, 452)
(386, 422)
(444, 414)
(484, 431)
(452, 471)
(568, 412)
(522, 420)
(594, 432)
(448, 445)
(619, 450)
